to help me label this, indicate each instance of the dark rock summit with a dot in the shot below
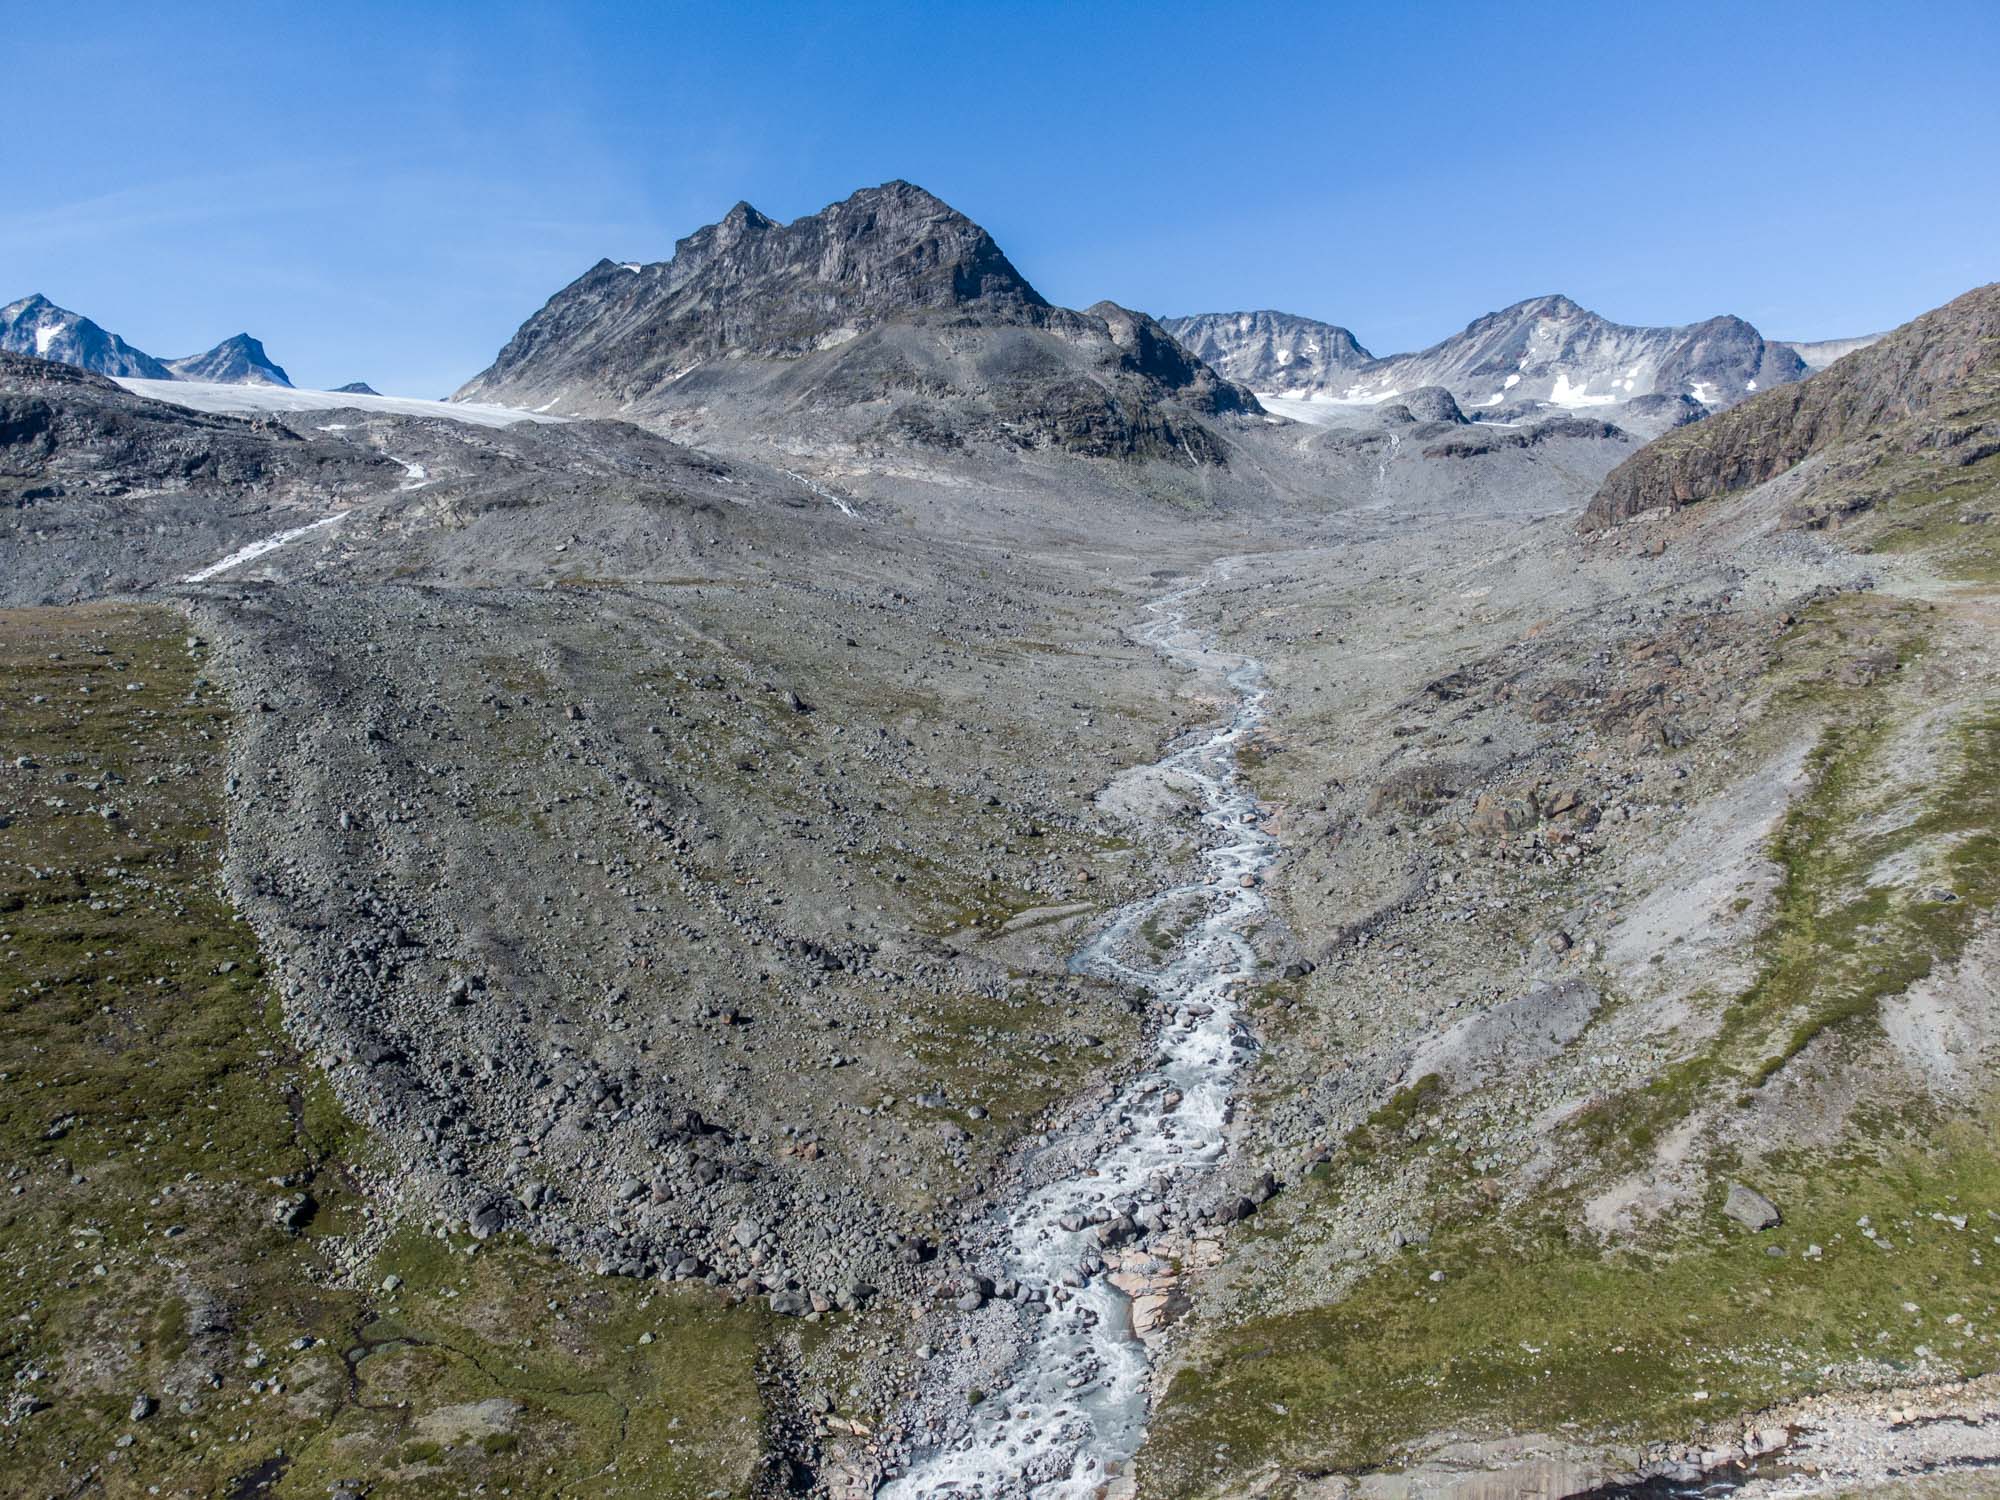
(887, 319)
(749, 286)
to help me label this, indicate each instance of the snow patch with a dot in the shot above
(816, 488)
(46, 335)
(1317, 409)
(415, 475)
(203, 395)
(259, 548)
(1575, 396)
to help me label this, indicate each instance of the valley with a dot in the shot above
(839, 880)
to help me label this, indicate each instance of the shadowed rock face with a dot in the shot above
(1935, 379)
(888, 318)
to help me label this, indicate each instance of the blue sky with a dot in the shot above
(383, 192)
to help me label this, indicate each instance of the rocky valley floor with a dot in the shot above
(547, 982)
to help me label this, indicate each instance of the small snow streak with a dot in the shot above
(258, 549)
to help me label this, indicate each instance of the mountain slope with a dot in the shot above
(36, 326)
(110, 492)
(236, 361)
(1932, 386)
(1270, 351)
(888, 318)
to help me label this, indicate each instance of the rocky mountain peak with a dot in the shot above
(1269, 350)
(34, 325)
(239, 360)
(750, 287)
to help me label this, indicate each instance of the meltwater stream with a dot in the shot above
(1074, 1408)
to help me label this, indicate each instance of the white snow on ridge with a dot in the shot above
(202, 395)
(46, 335)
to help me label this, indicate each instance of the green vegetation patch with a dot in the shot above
(1527, 1330)
(1889, 863)
(192, 1301)
(1880, 886)
(1953, 522)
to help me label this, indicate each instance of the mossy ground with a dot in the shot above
(1528, 1330)
(1953, 520)
(153, 1116)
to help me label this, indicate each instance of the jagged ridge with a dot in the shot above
(887, 318)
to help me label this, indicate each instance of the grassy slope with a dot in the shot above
(151, 1118)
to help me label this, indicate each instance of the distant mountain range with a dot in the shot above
(891, 318)
(34, 325)
(899, 311)
(1546, 349)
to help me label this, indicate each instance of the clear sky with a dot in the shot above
(384, 191)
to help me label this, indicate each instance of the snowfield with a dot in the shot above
(201, 395)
